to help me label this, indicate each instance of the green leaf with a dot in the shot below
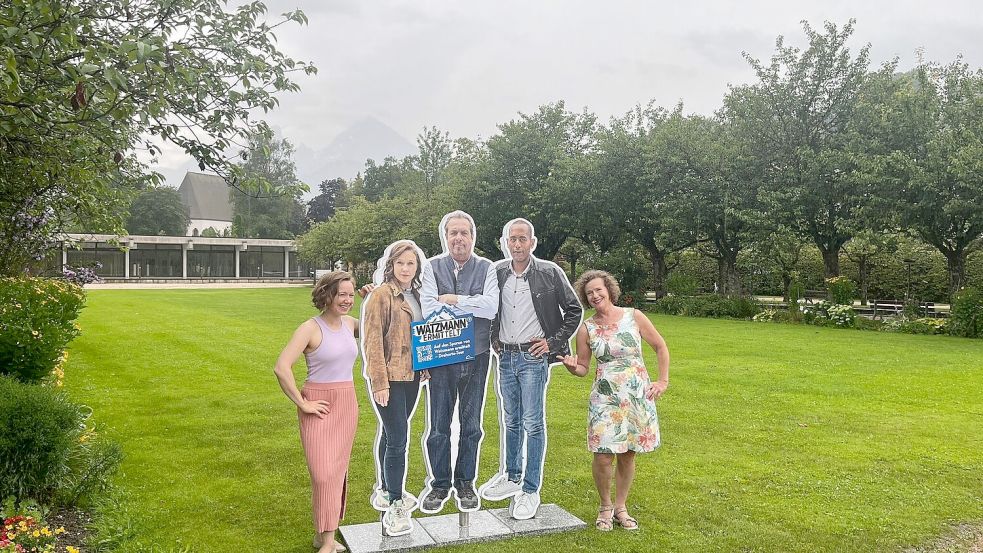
(604, 387)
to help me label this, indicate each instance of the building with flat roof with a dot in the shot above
(195, 258)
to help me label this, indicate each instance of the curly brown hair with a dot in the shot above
(614, 291)
(326, 288)
(398, 249)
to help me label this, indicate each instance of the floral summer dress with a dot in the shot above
(620, 419)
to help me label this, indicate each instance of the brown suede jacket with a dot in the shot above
(386, 337)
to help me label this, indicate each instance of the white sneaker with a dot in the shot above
(525, 506)
(396, 521)
(499, 488)
(380, 500)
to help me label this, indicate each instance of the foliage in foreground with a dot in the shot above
(37, 321)
(48, 451)
(966, 314)
(86, 85)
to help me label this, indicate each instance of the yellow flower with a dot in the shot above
(36, 534)
(60, 530)
(71, 549)
(45, 531)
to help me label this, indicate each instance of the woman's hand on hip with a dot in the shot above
(381, 397)
(656, 389)
(318, 407)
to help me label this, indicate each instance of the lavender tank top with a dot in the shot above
(334, 358)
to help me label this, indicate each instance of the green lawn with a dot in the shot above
(775, 437)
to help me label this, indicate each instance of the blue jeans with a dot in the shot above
(395, 428)
(463, 383)
(522, 383)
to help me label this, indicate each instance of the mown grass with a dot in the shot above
(775, 437)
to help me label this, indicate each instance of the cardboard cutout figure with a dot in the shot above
(538, 314)
(387, 315)
(463, 283)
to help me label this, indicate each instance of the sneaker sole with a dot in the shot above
(397, 534)
(490, 497)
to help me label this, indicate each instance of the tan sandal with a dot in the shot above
(605, 524)
(627, 521)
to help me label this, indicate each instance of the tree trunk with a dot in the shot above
(786, 285)
(728, 278)
(831, 261)
(863, 267)
(956, 264)
(659, 271)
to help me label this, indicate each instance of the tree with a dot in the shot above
(268, 165)
(709, 167)
(942, 168)
(799, 120)
(159, 211)
(864, 249)
(535, 169)
(323, 206)
(84, 85)
(633, 195)
(436, 153)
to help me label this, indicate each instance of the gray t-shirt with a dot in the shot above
(414, 304)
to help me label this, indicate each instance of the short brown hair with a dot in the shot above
(326, 288)
(614, 291)
(398, 249)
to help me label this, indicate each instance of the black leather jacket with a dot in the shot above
(557, 307)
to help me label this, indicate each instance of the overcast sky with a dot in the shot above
(467, 66)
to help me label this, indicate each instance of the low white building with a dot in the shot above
(207, 198)
(182, 257)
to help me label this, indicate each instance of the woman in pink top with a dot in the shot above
(326, 405)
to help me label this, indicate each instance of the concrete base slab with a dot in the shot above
(446, 529)
(368, 538)
(440, 530)
(549, 519)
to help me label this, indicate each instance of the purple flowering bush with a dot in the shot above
(37, 321)
(82, 275)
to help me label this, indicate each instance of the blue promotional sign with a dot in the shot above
(443, 338)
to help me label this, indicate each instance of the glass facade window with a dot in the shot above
(112, 258)
(156, 261)
(261, 262)
(298, 267)
(212, 262)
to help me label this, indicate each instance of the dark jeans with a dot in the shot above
(395, 428)
(522, 383)
(463, 383)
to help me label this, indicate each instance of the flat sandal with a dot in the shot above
(604, 524)
(627, 522)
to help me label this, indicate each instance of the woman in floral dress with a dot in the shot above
(622, 417)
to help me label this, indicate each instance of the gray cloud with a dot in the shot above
(469, 66)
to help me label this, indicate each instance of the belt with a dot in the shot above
(518, 347)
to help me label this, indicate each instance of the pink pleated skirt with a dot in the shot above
(328, 448)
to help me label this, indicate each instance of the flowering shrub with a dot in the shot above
(841, 290)
(37, 321)
(966, 314)
(28, 534)
(81, 276)
(842, 315)
(824, 313)
(767, 315)
(921, 325)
